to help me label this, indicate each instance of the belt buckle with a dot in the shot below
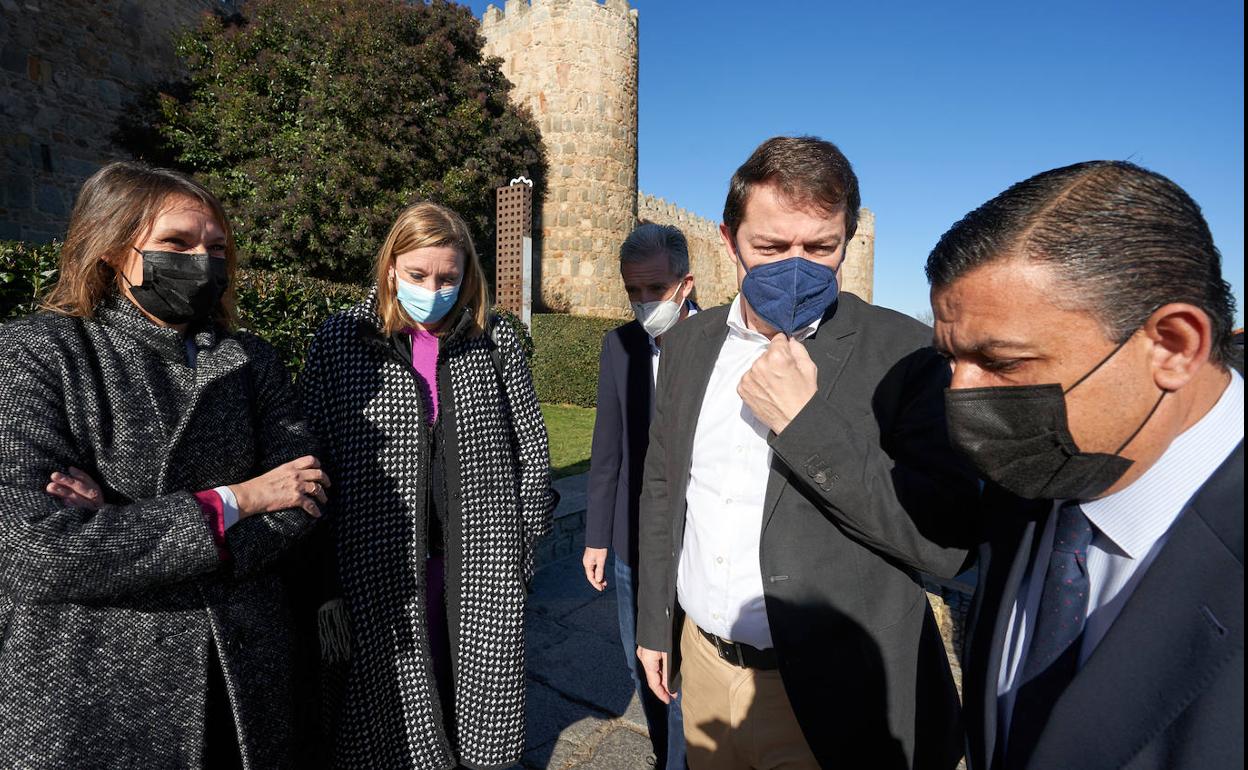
(722, 646)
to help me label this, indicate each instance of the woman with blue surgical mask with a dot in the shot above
(424, 405)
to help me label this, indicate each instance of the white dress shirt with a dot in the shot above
(654, 346)
(720, 580)
(1130, 527)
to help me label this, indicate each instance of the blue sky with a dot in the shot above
(942, 105)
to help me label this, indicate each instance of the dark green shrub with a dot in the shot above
(27, 271)
(316, 121)
(286, 309)
(565, 358)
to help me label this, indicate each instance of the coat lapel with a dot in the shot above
(701, 354)
(1183, 622)
(639, 379)
(830, 348)
(218, 358)
(999, 597)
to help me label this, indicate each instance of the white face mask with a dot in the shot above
(659, 316)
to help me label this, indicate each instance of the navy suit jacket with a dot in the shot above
(621, 435)
(1165, 687)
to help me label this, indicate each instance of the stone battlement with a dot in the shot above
(518, 11)
(672, 214)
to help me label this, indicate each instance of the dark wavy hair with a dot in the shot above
(1121, 240)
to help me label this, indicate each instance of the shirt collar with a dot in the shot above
(737, 326)
(1134, 518)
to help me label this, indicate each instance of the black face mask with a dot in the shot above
(180, 288)
(1018, 437)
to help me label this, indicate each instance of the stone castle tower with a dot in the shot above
(574, 64)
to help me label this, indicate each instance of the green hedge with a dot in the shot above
(286, 309)
(565, 359)
(282, 307)
(27, 271)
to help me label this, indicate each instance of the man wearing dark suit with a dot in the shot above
(654, 264)
(1089, 329)
(797, 469)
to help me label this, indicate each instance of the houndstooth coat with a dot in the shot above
(109, 619)
(364, 402)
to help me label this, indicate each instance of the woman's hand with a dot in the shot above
(77, 489)
(297, 484)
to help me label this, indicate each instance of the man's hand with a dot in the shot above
(654, 663)
(780, 383)
(595, 562)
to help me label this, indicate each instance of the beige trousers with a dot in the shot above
(736, 718)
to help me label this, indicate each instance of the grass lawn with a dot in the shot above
(571, 428)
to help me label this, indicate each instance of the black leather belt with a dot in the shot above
(742, 655)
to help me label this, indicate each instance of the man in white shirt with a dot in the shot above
(654, 264)
(797, 468)
(1089, 331)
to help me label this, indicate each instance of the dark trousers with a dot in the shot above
(667, 729)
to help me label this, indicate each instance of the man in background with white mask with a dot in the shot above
(654, 263)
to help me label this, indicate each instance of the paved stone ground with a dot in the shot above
(582, 709)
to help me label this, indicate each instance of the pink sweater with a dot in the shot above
(425, 362)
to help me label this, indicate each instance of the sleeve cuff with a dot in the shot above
(213, 508)
(229, 506)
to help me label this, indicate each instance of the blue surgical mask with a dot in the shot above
(425, 306)
(790, 294)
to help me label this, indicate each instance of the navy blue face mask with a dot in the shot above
(790, 294)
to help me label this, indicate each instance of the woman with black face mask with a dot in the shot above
(152, 467)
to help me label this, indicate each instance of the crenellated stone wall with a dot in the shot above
(574, 65)
(67, 70)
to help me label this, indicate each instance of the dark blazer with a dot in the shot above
(1165, 687)
(621, 435)
(860, 481)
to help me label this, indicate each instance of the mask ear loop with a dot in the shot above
(1103, 361)
(1147, 417)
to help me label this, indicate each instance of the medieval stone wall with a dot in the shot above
(574, 65)
(67, 70)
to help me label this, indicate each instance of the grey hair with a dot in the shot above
(650, 239)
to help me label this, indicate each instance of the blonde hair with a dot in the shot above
(418, 226)
(116, 207)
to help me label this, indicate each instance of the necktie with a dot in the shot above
(1053, 652)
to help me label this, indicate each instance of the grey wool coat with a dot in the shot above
(113, 621)
(364, 402)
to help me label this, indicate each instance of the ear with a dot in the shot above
(726, 235)
(1182, 337)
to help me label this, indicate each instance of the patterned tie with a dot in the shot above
(1053, 653)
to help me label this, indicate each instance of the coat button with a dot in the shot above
(821, 477)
